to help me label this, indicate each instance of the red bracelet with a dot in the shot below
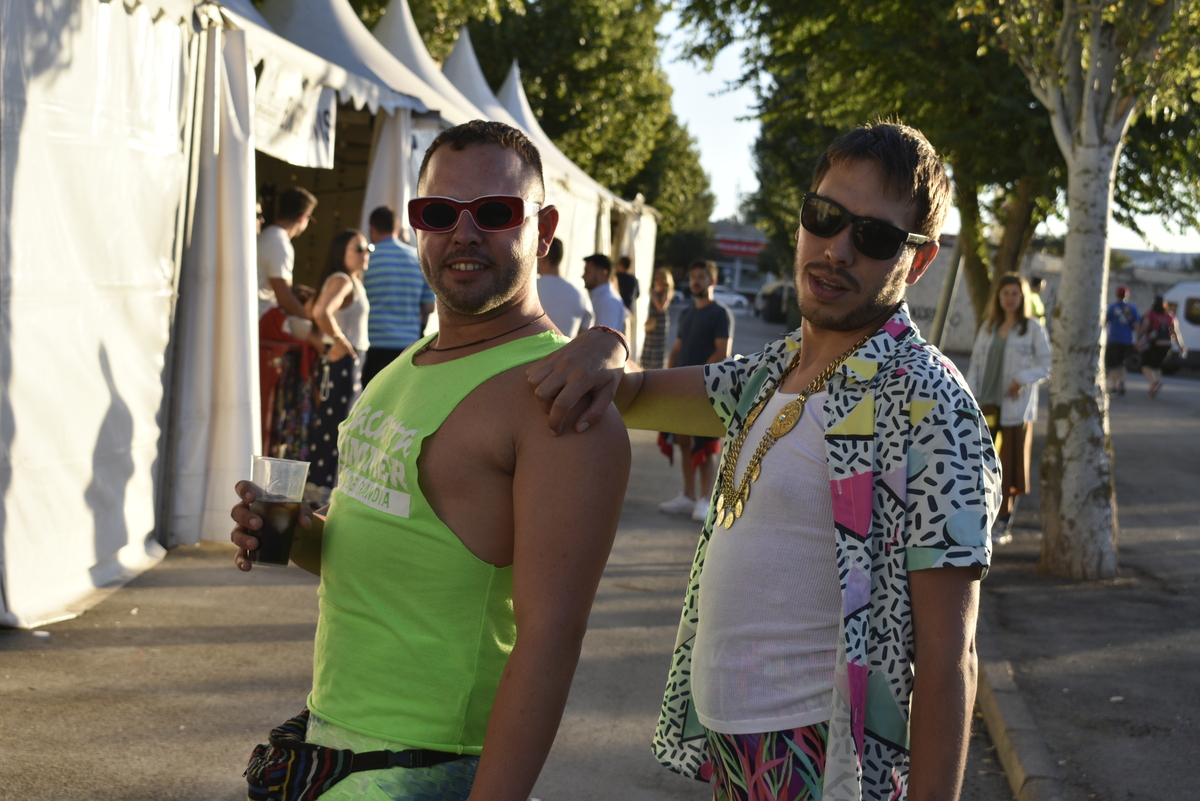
(618, 335)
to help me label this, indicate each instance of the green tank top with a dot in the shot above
(414, 630)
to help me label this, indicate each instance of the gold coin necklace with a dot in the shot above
(731, 502)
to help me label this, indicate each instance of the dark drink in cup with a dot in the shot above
(279, 516)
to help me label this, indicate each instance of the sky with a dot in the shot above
(711, 114)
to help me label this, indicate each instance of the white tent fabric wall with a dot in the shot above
(391, 181)
(92, 97)
(397, 31)
(331, 30)
(217, 424)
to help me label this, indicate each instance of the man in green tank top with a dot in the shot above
(462, 548)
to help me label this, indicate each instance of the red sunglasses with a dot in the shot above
(490, 212)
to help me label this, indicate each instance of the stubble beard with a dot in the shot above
(876, 308)
(505, 281)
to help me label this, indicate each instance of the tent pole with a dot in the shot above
(168, 437)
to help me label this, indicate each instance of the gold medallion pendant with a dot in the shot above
(733, 497)
(787, 418)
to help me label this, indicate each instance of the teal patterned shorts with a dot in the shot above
(775, 766)
(449, 781)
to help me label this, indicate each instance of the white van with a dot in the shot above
(1184, 300)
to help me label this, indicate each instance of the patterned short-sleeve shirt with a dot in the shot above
(915, 485)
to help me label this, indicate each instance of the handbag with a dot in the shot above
(290, 769)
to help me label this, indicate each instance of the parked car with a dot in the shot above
(774, 299)
(733, 300)
(1184, 300)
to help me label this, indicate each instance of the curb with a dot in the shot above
(1031, 770)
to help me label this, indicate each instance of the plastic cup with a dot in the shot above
(279, 491)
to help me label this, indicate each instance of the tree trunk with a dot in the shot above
(1079, 507)
(974, 249)
(1020, 204)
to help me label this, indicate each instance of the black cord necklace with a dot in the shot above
(488, 339)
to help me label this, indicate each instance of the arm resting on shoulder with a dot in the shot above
(945, 603)
(567, 495)
(595, 363)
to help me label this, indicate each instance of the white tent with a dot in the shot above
(128, 337)
(332, 30)
(216, 424)
(91, 94)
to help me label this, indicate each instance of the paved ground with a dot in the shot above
(1109, 668)
(162, 688)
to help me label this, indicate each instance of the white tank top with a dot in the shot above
(770, 601)
(352, 319)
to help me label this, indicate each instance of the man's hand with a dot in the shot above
(1014, 389)
(248, 523)
(591, 364)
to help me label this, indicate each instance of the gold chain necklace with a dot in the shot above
(731, 502)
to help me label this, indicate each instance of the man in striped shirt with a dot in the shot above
(401, 301)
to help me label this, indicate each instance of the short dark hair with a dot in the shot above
(335, 256)
(295, 203)
(708, 266)
(1036, 282)
(624, 262)
(911, 168)
(489, 132)
(600, 260)
(555, 253)
(383, 220)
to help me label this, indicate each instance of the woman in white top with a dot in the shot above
(1010, 358)
(340, 311)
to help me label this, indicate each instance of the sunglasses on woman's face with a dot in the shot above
(361, 248)
(873, 238)
(490, 212)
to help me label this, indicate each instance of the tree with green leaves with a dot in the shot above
(590, 69)
(1094, 67)
(673, 181)
(825, 66)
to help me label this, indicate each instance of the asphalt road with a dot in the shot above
(161, 690)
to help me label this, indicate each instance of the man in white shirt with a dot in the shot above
(277, 258)
(606, 303)
(567, 306)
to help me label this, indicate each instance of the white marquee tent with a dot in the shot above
(128, 336)
(128, 344)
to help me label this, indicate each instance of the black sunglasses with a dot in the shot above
(873, 238)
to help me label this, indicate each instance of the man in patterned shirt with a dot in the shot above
(401, 301)
(848, 530)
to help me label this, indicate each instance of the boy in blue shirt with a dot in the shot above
(1121, 320)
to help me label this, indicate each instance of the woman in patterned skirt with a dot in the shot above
(654, 349)
(340, 311)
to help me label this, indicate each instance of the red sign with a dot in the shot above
(731, 246)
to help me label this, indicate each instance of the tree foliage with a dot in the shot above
(831, 65)
(1094, 67)
(591, 71)
(673, 181)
